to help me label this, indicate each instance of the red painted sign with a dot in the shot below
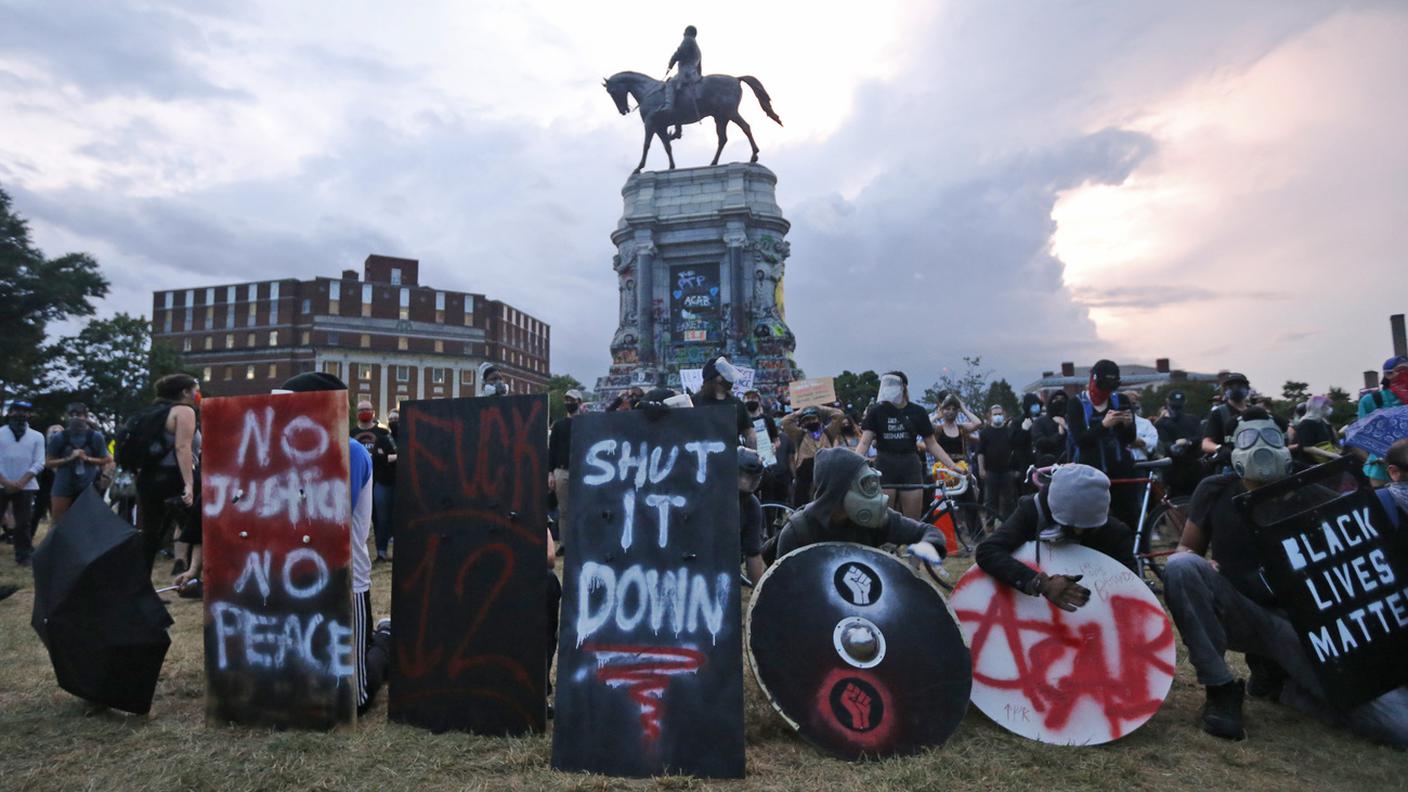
(278, 580)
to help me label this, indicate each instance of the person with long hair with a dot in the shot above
(894, 425)
(173, 473)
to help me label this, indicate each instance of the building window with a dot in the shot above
(209, 342)
(333, 339)
(190, 318)
(209, 317)
(273, 338)
(230, 316)
(466, 376)
(249, 340)
(229, 340)
(273, 313)
(205, 374)
(253, 313)
(273, 291)
(366, 310)
(437, 376)
(439, 346)
(186, 344)
(273, 371)
(364, 370)
(229, 372)
(307, 305)
(334, 297)
(395, 276)
(366, 342)
(231, 294)
(366, 293)
(249, 372)
(166, 323)
(403, 373)
(304, 338)
(403, 343)
(405, 304)
(210, 296)
(170, 299)
(252, 292)
(332, 367)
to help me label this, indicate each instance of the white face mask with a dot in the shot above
(999, 420)
(891, 390)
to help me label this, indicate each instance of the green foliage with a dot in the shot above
(34, 292)
(1198, 397)
(559, 384)
(111, 365)
(857, 390)
(1295, 392)
(1343, 407)
(1000, 393)
(971, 386)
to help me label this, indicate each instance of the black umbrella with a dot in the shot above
(95, 609)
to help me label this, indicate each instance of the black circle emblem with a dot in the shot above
(857, 583)
(856, 704)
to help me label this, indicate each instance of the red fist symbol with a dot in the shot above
(857, 704)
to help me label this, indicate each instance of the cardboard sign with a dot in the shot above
(1080, 678)
(650, 658)
(812, 392)
(763, 442)
(693, 379)
(468, 581)
(278, 579)
(858, 654)
(1340, 571)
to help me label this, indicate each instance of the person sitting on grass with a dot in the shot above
(1074, 507)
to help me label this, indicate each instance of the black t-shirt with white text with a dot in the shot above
(377, 440)
(896, 428)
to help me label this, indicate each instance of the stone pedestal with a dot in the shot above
(700, 257)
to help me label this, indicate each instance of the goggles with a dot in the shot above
(1247, 438)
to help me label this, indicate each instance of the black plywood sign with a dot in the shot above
(1340, 571)
(650, 675)
(469, 575)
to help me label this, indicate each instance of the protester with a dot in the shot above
(1221, 423)
(21, 462)
(1074, 507)
(1101, 430)
(1315, 434)
(1181, 434)
(1226, 604)
(76, 455)
(719, 377)
(1023, 450)
(169, 435)
(996, 456)
(810, 429)
(1392, 393)
(1146, 437)
(753, 403)
(750, 512)
(955, 429)
(380, 444)
(627, 399)
(893, 426)
(560, 458)
(491, 381)
(1049, 439)
(1394, 497)
(850, 506)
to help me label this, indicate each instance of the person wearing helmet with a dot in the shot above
(750, 511)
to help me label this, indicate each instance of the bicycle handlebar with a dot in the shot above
(1153, 464)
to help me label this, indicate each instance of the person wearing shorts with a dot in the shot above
(893, 426)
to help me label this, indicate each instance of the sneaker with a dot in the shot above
(1267, 678)
(1222, 712)
(383, 626)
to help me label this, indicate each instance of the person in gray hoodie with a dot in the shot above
(850, 506)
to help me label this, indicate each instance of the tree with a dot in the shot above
(1343, 409)
(1001, 393)
(1197, 397)
(111, 365)
(971, 386)
(856, 390)
(558, 384)
(1295, 392)
(36, 291)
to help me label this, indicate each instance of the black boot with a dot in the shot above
(1267, 678)
(1222, 712)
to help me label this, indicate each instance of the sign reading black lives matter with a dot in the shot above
(650, 664)
(1341, 573)
(469, 583)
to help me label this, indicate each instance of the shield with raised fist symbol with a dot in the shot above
(862, 657)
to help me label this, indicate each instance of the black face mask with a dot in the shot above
(1057, 407)
(572, 407)
(17, 420)
(77, 425)
(1175, 409)
(812, 427)
(752, 406)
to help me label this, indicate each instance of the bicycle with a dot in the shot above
(966, 522)
(775, 517)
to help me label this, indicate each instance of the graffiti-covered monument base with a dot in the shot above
(700, 255)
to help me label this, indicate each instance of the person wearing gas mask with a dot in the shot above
(21, 462)
(1181, 435)
(809, 430)
(893, 426)
(1222, 421)
(560, 457)
(77, 455)
(1224, 603)
(380, 444)
(719, 376)
(1074, 507)
(1049, 431)
(491, 381)
(1394, 392)
(850, 506)
(1101, 430)
(750, 511)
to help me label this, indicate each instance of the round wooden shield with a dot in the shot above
(857, 653)
(1080, 678)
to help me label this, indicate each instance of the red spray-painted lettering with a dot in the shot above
(645, 672)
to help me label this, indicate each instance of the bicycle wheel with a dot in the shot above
(974, 522)
(1166, 525)
(775, 515)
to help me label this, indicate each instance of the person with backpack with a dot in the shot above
(161, 445)
(1101, 429)
(76, 455)
(1221, 423)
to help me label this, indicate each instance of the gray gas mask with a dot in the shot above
(865, 503)
(1259, 451)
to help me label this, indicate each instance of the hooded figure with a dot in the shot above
(849, 506)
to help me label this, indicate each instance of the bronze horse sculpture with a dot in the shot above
(716, 96)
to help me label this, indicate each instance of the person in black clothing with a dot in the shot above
(1313, 430)
(1181, 435)
(1221, 423)
(996, 457)
(719, 376)
(1049, 431)
(750, 511)
(1023, 452)
(1075, 507)
(379, 443)
(894, 425)
(1101, 426)
(559, 456)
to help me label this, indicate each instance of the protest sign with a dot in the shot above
(469, 578)
(277, 543)
(693, 379)
(763, 442)
(1340, 572)
(859, 655)
(811, 392)
(650, 677)
(1079, 678)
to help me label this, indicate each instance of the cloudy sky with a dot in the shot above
(1223, 184)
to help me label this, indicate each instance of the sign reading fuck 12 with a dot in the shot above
(650, 674)
(278, 587)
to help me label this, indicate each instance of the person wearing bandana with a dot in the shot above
(1101, 430)
(893, 426)
(77, 455)
(809, 431)
(1394, 497)
(381, 445)
(21, 462)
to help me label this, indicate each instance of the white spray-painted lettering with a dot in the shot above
(257, 432)
(266, 641)
(291, 494)
(641, 464)
(686, 598)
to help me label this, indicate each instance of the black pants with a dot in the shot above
(22, 503)
(153, 490)
(1000, 492)
(554, 600)
(372, 652)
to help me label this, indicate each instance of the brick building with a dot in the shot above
(1134, 375)
(388, 337)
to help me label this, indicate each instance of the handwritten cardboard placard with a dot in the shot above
(1340, 572)
(278, 583)
(812, 392)
(1080, 678)
(693, 379)
(469, 575)
(650, 677)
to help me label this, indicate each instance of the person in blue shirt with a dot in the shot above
(76, 455)
(1393, 394)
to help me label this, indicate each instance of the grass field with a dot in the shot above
(50, 740)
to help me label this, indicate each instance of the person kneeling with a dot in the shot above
(850, 506)
(1075, 506)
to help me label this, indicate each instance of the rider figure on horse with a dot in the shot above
(690, 61)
